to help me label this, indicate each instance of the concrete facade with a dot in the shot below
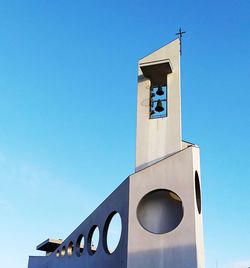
(183, 246)
(159, 205)
(157, 138)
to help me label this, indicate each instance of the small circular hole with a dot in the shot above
(93, 239)
(112, 232)
(80, 245)
(63, 251)
(70, 248)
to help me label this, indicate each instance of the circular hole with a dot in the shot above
(70, 248)
(112, 232)
(63, 251)
(198, 192)
(93, 239)
(79, 245)
(160, 211)
(57, 253)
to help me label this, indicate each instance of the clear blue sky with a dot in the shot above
(68, 77)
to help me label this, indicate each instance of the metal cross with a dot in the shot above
(180, 33)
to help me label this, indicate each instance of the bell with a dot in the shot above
(159, 91)
(152, 95)
(152, 112)
(159, 108)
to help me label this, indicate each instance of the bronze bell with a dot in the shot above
(152, 95)
(152, 112)
(159, 108)
(159, 91)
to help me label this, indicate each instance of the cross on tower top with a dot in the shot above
(180, 33)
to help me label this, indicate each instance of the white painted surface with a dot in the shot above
(182, 247)
(156, 138)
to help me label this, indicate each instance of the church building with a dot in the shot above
(159, 205)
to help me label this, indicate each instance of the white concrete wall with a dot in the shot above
(199, 216)
(182, 247)
(157, 138)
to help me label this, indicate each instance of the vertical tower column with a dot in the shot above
(158, 135)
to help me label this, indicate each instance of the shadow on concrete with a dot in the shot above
(174, 257)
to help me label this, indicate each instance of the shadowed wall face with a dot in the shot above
(83, 248)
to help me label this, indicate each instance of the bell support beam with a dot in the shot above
(156, 71)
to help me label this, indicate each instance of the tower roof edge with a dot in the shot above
(175, 42)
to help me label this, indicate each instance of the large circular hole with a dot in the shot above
(63, 251)
(198, 192)
(79, 245)
(70, 248)
(160, 211)
(112, 232)
(93, 239)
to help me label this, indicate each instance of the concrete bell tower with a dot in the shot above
(165, 191)
(158, 134)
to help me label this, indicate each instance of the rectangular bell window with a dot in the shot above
(158, 102)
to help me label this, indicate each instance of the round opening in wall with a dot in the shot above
(93, 239)
(63, 251)
(80, 245)
(112, 232)
(160, 211)
(198, 192)
(70, 248)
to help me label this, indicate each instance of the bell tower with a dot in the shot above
(158, 105)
